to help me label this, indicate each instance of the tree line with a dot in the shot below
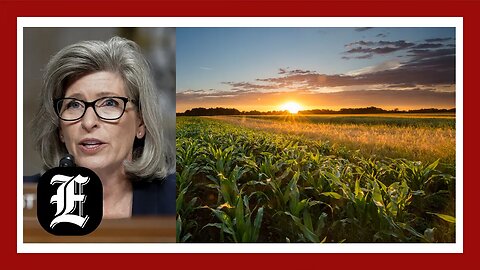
(367, 110)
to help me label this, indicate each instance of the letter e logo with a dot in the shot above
(70, 201)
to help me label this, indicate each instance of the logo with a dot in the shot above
(67, 200)
(70, 201)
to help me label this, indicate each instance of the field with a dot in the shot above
(316, 179)
(415, 137)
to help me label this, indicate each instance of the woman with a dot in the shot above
(100, 105)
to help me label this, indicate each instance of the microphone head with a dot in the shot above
(67, 161)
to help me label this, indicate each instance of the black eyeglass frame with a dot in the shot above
(90, 104)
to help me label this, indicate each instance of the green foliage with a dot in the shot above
(237, 222)
(240, 185)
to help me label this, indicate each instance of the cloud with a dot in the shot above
(292, 72)
(402, 85)
(428, 46)
(365, 56)
(386, 65)
(438, 39)
(424, 67)
(360, 43)
(425, 53)
(197, 91)
(211, 93)
(246, 86)
(361, 29)
(282, 71)
(368, 48)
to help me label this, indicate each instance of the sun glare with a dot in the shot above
(291, 107)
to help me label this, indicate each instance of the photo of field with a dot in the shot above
(364, 152)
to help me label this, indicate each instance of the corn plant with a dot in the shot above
(252, 185)
(239, 225)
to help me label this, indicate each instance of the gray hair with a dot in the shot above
(153, 156)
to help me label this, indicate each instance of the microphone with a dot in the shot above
(67, 161)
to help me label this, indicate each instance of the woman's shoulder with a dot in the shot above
(156, 185)
(155, 197)
(31, 178)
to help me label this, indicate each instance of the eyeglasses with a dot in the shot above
(106, 108)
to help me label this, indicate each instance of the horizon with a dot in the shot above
(325, 110)
(262, 69)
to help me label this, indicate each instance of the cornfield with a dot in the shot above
(236, 184)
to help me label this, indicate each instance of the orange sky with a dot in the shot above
(403, 100)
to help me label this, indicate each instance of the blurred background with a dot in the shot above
(39, 44)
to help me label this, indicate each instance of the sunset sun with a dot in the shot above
(291, 107)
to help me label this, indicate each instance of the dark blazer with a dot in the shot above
(149, 198)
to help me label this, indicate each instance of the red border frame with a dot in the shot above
(10, 10)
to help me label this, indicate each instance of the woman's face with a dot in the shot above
(101, 145)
